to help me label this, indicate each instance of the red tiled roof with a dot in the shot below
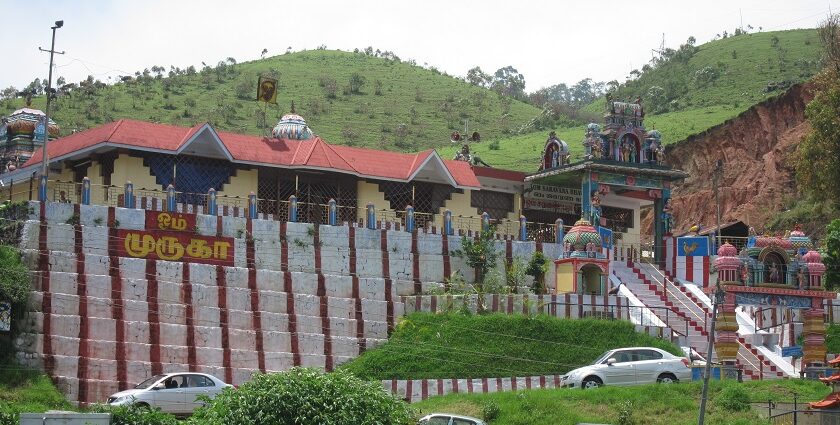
(313, 153)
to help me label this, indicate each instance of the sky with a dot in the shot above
(549, 42)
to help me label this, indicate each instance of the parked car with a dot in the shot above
(171, 392)
(449, 419)
(630, 366)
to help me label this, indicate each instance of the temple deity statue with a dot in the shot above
(595, 209)
(667, 215)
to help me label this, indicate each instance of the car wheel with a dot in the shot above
(667, 378)
(591, 382)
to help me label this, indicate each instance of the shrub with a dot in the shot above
(305, 396)
(733, 398)
(14, 281)
(490, 411)
(133, 414)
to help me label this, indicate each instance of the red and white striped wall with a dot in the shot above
(414, 390)
(692, 269)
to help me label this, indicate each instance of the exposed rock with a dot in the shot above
(756, 148)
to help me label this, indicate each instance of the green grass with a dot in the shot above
(28, 390)
(372, 117)
(651, 404)
(452, 345)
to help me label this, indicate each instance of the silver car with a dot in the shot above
(172, 392)
(449, 419)
(630, 366)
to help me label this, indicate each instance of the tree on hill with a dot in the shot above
(832, 255)
(509, 82)
(477, 77)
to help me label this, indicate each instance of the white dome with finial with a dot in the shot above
(292, 126)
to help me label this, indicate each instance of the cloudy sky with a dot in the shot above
(547, 41)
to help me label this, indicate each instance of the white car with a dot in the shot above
(630, 366)
(449, 419)
(171, 392)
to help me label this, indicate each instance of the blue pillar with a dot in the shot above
(128, 202)
(42, 189)
(409, 218)
(485, 221)
(252, 205)
(171, 204)
(586, 189)
(86, 191)
(371, 216)
(212, 207)
(293, 209)
(332, 212)
(558, 231)
(523, 229)
(447, 222)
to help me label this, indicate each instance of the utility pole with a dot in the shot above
(719, 297)
(49, 93)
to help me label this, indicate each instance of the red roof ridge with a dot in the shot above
(192, 131)
(414, 163)
(119, 123)
(327, 146)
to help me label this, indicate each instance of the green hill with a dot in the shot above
(481, 346)
(704, 88)
(399, 105)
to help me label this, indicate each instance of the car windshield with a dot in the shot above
(149, 382)
(603, 357)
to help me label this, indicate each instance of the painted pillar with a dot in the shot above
(726, 336)
(485, 221)
(293, 209)
(371, 216)
(170, 198)
(659, 233)
(586, 188)
(86, 191)
(128, 201)
(523, 228)
(558, 231)
(212, 206)
(42, 189)
(813, 351)
(252, 205)
(447, 222)
(332, 212)
(409, 218)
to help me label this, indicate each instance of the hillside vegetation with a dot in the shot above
(453, 345)
(730, 403)
(346, 98)
(699, 87)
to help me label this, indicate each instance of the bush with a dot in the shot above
(8, 417)
(14, 281)
(133, 414)
(305, 396)
(733, 398)
(490, 411)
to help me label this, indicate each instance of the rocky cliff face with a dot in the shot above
(757, 151)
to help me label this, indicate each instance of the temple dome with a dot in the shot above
(654, 134)
(812, 257)
(292, 126)
(581, 234)
(727, 250)
(23, 122)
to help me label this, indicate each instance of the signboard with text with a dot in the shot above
(553, 198)
(172, 237)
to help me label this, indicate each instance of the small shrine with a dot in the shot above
(555, 152)
(20, 134)
(773, 271)
(292, 127)
(831, 401)
(582, 268)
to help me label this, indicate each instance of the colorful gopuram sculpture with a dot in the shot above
(555, 153)
(582, 268)
(20, 134)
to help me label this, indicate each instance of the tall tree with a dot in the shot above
(477, 77)
(509, 82)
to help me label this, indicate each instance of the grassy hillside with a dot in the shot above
(649, 404)
(27, 390)
(399, 105)
(689, 105)
(462, 346)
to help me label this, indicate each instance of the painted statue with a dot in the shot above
(466, 156)
(667, 215)
(660, 154)
(595, 209)
(774, 273)
(592, 141)
(802, 279)
(555, 157)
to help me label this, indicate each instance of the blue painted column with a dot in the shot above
(485, 221)
(558, 231)
(447, 222)
(293, 209)
(371, 216)
(409, 218)
(332, 212)
(523, 228)
(128, 200)
(42, 189)
(252, 205)
(86, 191)
(586, 188)
(212, 206)
(171, 202)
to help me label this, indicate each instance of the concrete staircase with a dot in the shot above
(671, 300)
